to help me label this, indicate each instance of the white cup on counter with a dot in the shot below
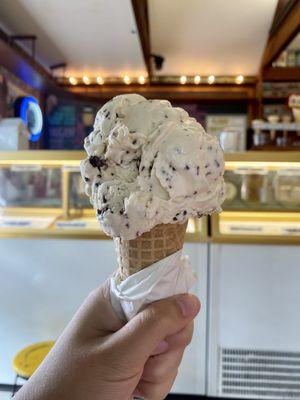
(230, 140)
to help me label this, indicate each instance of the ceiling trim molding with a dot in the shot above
(140, 9)
(284, 31)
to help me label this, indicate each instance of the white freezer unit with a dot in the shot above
(254, 321)
(191, 378)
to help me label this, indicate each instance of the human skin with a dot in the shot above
(98, 356)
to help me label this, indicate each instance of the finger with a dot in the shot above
(162, 347)
(96, 316)
(152, 325)
(159, 368)
(148, 390)
(182, 338)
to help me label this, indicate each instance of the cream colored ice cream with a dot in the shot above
(150, 163)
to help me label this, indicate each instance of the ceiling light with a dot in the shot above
(197, 79)
(100, 80)
(73, 80)
(183, 79)
(127, 79)
(141, 79)
(239, 79)
(211, 79)
(86, 80)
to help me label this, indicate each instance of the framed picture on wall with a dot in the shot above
(231, 129)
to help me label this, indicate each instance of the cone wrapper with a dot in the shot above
(167, 277)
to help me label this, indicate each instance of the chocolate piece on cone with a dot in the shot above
(162, 241)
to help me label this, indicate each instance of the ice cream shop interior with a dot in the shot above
(126, 128)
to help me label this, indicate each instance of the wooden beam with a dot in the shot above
(140, 9)
(284, 33)
(279, 15)
(171, 92)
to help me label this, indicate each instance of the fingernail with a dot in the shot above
(160, 348)
(137, 395)
(189, 305)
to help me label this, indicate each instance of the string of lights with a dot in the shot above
(182, 80)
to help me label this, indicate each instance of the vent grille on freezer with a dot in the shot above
(259, 374)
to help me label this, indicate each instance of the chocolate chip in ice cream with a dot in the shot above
(102, 211)
(97, 162)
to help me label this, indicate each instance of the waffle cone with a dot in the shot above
(162, 241)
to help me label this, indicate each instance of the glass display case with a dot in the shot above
(24, 186)
(42, 195)
(262, 199)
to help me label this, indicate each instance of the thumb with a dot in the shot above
(148, 328)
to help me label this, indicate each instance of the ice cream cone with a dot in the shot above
(162, 241)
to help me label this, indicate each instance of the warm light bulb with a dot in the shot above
(127, 80)
(73, 80)
(141, 79)
(183, 79)
(197, 79)
(100, 80)
(239, 79)
(86, 80)
(211, 79)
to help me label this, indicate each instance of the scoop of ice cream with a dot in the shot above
(150, 163)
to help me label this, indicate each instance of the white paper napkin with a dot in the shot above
(167, 277)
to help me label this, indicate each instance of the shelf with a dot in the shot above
(263, 157)
(32, 225)
(282, 74)
(54, 157)
(272, 99)
(295, 127)
(256, 227)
